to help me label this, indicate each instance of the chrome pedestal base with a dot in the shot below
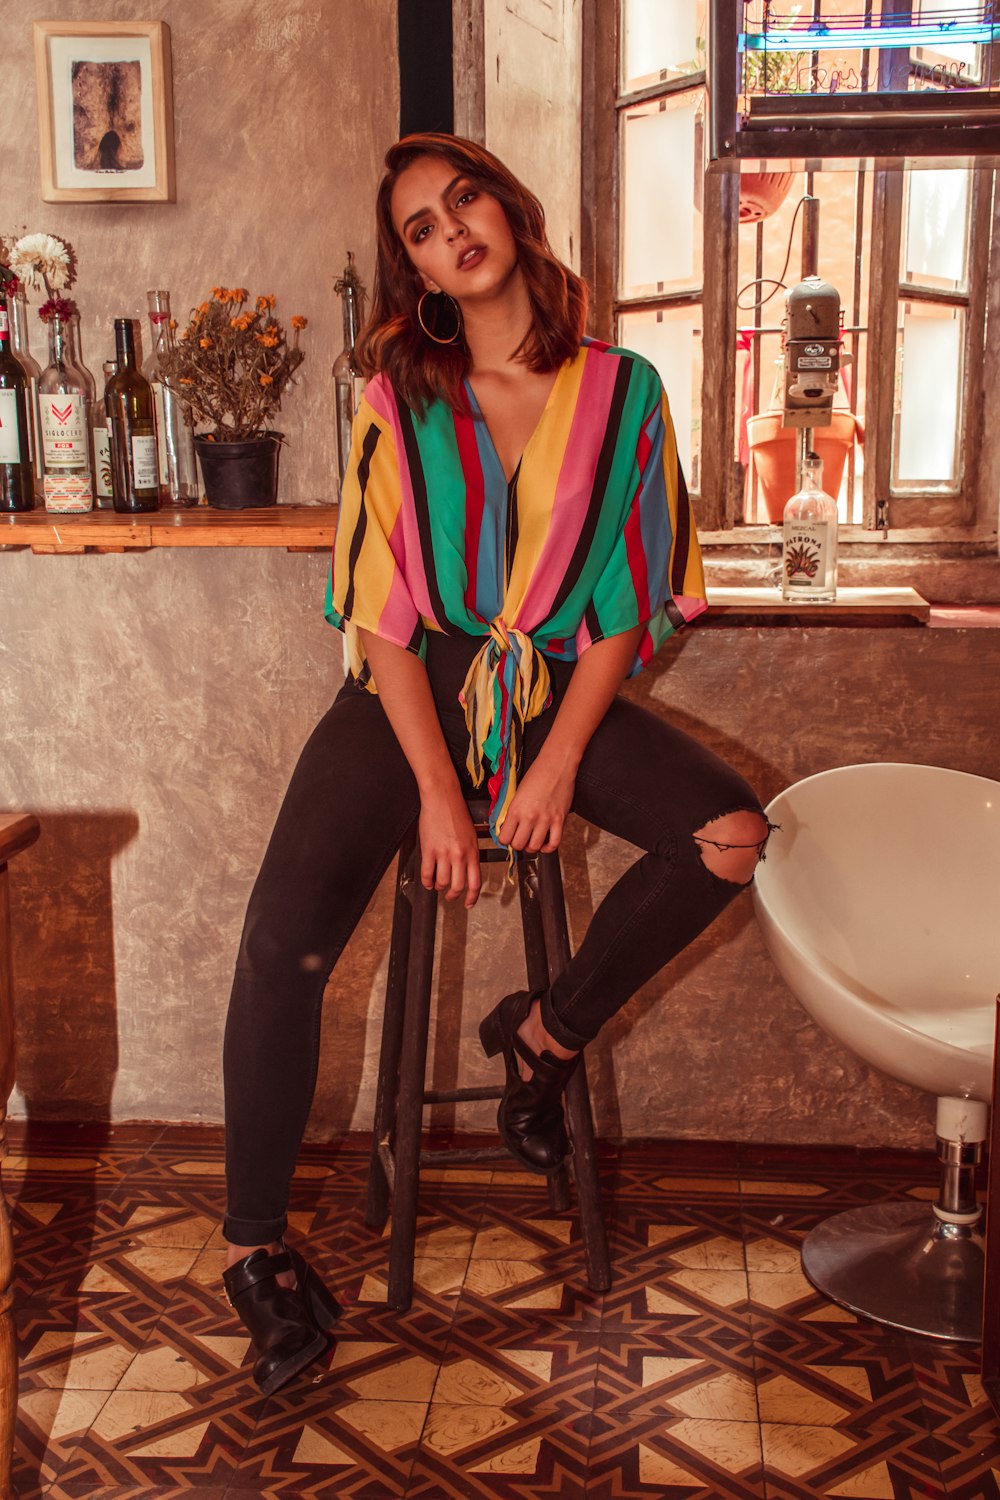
(898, 1264)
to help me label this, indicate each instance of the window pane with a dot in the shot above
(661, 39)
(962, 60)
(672, 342)
(662, 168)
(930, 366)
(935, 249)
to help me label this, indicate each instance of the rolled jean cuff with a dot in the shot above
(253, 1231)
(557, 1028)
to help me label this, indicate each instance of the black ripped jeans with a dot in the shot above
(351, 799)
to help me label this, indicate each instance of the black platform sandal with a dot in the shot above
(287, 1324)
(530, 1118)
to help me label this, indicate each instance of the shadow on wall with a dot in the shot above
(66, 1021)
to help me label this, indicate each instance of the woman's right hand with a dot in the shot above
(448, 845)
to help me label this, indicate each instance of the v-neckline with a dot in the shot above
(478, 415)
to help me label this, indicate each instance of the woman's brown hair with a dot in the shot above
(392, 339)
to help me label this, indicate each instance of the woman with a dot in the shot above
(514, 540)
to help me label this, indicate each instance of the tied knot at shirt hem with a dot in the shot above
(507, 685)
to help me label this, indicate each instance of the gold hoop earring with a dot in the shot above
(453, 337)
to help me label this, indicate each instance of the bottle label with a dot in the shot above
(67, 494)
(10, 446)
(161, 429)
(804, 555)
(64, 432)
(102, 461)
(4, 324)
(144, 463)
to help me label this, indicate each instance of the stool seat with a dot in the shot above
(402, 1093)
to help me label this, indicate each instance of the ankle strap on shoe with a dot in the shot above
(259, 1266)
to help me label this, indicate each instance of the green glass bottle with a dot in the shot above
(132, 421)
(17, 484)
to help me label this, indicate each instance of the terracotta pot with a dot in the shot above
(240, 476)
(773, 450)
(761, 193)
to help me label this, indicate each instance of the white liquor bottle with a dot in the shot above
(809, 541)
(175, 460)
(64, 413)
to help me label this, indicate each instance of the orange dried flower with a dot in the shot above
(267, 339)
(205, 343)
(299, 322)
(266, 380)
(236, 294)
(242, 321)
(203, 308)
(186, 380)
(265, 302)
(219, 293)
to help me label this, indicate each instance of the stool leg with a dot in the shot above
(409, 1110)
(387, 1091)
(581, 1123)
(537, 964)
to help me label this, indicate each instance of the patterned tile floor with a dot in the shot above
(710, 1371)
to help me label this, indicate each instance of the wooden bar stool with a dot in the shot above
(17, 831)
(402, 1093)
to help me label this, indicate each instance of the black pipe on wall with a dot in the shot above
(426, 96)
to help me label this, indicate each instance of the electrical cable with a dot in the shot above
(775, 282)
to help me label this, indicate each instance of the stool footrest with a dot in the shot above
(464, 1153)
(461, 1096)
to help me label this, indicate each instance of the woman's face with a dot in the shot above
(456, 235)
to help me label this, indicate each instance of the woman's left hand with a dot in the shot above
(535, 818)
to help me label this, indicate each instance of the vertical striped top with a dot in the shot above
(592, 536)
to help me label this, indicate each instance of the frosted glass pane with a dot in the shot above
(930, 396)
(661, 36)
(673, 346)
(658, 197)
(937, 225)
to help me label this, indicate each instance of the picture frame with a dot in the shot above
(105, 111)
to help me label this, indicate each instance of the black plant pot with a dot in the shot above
(240, 476)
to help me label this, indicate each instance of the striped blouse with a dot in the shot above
(592, 536)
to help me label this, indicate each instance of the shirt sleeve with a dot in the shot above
(654, 574)
(366, 588)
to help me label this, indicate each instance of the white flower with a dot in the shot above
(42, 260)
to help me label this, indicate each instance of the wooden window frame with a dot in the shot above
(913, 517)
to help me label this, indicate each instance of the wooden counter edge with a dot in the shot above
(17, 831)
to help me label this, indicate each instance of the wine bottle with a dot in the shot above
(64, 413)
(17, 487)
(809, 539)
(18, 310)
(175, 460)
(103, 479)
(129, 401)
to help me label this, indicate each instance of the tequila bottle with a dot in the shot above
(175, 461)
(64, 412)
(809, 540)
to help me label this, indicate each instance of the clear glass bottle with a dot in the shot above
(17, 484)
(348, 381)
(18, 309)
(809, 539)
(104, 494)
(64, 418)
(129, 402)
(76, 358)
(175, 460)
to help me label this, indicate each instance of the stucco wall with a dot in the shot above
(153, 708)
(281, 118)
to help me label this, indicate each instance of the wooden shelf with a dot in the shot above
(299, 528)
(310, 528)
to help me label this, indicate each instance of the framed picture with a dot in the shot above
(105, 114)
